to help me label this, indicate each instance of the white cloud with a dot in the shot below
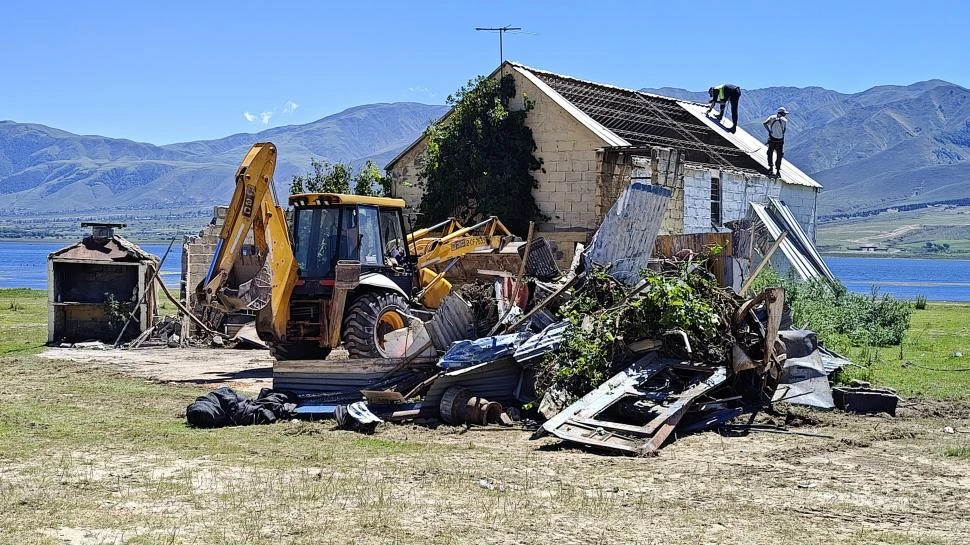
(290, 107)
(249, 117)
(265, 117)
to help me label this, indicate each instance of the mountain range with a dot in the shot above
(885, 147)
(888, 146)
(43, 169)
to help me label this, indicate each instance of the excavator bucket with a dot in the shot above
(483, 250)
(541, 262)
(252, 294)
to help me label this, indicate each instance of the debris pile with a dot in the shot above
(623, 352)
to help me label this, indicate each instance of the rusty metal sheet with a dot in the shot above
(667, 246)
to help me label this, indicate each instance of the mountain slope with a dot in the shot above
(43, 169)
(886, 146)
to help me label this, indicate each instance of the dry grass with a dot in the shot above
(89, 456)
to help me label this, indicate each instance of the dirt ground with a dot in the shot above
(875, 479)
(245, 370)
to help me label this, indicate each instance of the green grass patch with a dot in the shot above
(23, 321)
(929, 361)
(958, 452)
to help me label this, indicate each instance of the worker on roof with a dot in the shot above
(776, 125)
(720, 95)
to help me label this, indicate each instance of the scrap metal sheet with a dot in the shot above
(625, 240)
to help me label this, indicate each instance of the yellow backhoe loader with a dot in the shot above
(344, 272)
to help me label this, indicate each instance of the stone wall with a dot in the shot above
(197, 253)
(667, 170)
(802, 201)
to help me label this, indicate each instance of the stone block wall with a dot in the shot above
(667, 170)
(197, 253)
(802, 201)
(738, 190)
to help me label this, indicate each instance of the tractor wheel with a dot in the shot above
(369, 317)
(298, 351)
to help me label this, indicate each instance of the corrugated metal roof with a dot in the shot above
(116, 248)
(627, 117)
(640, 119)
(753, 147)
(800, 258)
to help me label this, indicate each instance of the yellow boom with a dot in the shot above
(253, 208)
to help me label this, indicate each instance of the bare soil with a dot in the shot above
(245, 370)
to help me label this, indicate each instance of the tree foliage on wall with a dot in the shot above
(480, 160)
(326, 177)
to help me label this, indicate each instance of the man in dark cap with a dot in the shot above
(776, 125)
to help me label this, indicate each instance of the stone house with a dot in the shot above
(594, 139)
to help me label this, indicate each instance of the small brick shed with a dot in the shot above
(82, 277)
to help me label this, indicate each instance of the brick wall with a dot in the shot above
(197, 253)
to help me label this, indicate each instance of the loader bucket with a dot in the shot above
(484, 264)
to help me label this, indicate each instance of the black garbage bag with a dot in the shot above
(225, 407)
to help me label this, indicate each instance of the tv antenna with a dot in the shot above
(501, 32)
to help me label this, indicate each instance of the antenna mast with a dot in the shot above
(501, 32)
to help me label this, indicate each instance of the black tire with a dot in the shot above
(298, 351)
(365, 322)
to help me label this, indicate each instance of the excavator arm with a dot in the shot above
(254, 209)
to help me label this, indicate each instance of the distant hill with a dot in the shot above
(43, 169)
(884, 147)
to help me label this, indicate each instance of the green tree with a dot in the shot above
(369, 180)
(325, 177)
(480, 160)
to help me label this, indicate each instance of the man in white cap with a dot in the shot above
(776, 125)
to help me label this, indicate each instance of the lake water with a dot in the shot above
(937, 279)
(24, 265)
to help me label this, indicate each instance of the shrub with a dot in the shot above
(837, 315)
(594, 346)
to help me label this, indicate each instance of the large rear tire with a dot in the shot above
(369, 317)
(298, 351)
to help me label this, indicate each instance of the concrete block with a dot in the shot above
(580, 166)
(557, 176)
(574, 176)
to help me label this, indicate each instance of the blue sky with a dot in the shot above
(174, 71)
